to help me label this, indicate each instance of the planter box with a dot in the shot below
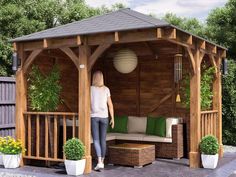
(11, 161)
(209, 161)
(1, 160)
(75, 167)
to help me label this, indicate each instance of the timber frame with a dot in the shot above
(195, 47)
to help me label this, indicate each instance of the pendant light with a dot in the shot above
(125, 61)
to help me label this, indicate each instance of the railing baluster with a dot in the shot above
(55, 137)
(47, 139)
(37, 135)
(64, 133)
(74, 126)
(46, 136)
(29, 134)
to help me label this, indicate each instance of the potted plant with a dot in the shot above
(74, 151)
(11, 150)
(209, 151)
(2, 141)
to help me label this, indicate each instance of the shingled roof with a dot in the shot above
(121, 20)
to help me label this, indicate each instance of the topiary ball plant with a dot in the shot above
(74, 149)
(209, 145)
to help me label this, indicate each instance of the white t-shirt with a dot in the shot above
(99, 97)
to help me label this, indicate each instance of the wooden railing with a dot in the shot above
(209, 122)
(46, 132)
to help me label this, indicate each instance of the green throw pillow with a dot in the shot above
(160, 127)
(150, 129)
(120, 124)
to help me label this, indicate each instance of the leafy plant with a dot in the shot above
(74, 149)
(9, 145)
(209, 145)
(44, 91)
(206, 89)
(229, 106)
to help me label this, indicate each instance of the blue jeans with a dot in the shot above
(99, 132)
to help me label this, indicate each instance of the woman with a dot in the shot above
(100, 103)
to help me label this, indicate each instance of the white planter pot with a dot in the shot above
(11, 161)
(1, 156)
(75, 167)
(209, 161)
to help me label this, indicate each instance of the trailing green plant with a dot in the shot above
(74, 149)
(44, 90)
(209, 145)
(206, 88)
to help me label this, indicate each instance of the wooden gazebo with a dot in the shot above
(81, 47)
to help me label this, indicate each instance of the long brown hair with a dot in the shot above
(98, 80)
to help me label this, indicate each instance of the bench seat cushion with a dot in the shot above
(137, 137)
(153, 138)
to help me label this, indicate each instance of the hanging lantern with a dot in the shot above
(178, 73)
(125, 61)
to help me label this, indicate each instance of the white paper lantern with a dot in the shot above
(125, 61)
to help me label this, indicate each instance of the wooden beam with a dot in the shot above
(217, 104)
(195, 113)
(79, 40)
(14, 47)
(202, 44)
(201, 56)
(84, 104)
(148, 46)
(192, 61)
(213, 63)
(159, 33)
(116, 36)
(190, 40)
(45, 43)
(173, 34)
(96, 54)
(71, 55)
(30, 59)
(21, 102)
(156, 106)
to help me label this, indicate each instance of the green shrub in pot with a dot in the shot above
(209, 148)
(74, 151)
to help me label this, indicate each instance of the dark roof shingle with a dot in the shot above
(124, 19)
(121, 20)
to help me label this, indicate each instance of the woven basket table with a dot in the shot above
(131, 154)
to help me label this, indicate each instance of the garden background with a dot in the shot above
(21, 17)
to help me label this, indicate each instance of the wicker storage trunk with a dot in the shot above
(132, 154)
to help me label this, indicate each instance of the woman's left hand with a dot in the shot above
(112, 123)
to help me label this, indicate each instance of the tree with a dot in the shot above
(22, 17)
(221, 27)
(191, 25)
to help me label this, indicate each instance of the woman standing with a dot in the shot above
(100, 103)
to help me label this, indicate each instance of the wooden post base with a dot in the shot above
(194, 160)
(88, 165)
(221, 151)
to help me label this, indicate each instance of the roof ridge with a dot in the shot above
(122, 10)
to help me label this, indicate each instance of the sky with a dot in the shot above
(184, 8)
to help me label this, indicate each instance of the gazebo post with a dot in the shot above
(84, 104)
(195, 112)
(21, 103)
(217, 103)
